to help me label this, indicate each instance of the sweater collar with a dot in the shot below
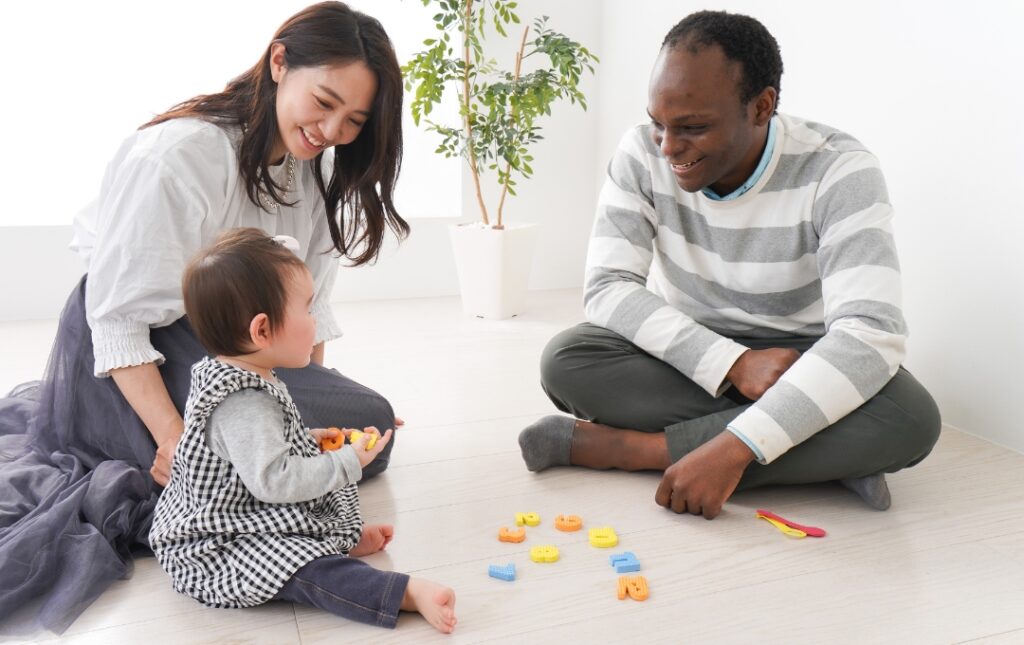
(766, 156)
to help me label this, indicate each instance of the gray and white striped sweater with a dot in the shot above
(807, 251)
(219, 543)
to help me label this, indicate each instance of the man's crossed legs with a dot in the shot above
(635, 412)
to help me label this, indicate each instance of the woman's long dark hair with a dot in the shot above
(365, 171)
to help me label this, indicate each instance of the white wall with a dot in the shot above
(37, 272)
(934, 90)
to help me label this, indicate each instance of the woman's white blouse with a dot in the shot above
(168, 192)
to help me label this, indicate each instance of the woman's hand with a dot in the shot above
(144, 389)
(161, 469)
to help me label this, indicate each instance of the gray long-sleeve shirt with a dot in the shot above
(246, 430)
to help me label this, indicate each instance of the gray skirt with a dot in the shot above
(76, 497)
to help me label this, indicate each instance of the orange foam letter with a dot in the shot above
(568, 522)
(332, 443)
(506, 535)
(633, 586)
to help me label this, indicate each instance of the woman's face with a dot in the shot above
(319, 107)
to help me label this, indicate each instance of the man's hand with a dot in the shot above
(756, 370)
(700, 482)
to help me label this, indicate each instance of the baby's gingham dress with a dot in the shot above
(221, 545)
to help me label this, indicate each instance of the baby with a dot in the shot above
(254, 511)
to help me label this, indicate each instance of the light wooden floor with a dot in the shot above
(944, 565)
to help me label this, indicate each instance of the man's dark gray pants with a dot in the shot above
(597, 375)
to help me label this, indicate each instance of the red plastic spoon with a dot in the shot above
(811, 531)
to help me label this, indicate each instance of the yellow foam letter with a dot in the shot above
(546, 553)
(603, 537)
(529, 519)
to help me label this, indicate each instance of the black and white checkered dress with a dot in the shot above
(221, 545)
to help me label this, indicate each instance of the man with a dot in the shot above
(743, 296)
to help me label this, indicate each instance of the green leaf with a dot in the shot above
(504, 112)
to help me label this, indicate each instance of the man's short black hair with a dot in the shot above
(742, 38)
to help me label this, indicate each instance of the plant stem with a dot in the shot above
(508, 166)
(465, 95)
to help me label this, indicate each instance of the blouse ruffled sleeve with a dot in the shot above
(150, 220)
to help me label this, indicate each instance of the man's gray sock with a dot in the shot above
(547, 442)
(872, 489)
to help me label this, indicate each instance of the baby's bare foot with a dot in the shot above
(375, 537)
(434, 602)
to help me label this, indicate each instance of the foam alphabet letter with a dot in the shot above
(546, 553)
(625, 562)
(505, 535)
(633, 586)
(568, 522)
(354, 437)
(603, 537)
(507, 572)
(332, 443)
(529, 519)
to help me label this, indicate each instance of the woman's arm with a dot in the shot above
(163, 196)
(145, 391)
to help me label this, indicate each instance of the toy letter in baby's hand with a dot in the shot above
(334, 441)
(334, 438)
(370, 443)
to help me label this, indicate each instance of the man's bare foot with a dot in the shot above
(434, 602)
(602, 447)
(375, 537)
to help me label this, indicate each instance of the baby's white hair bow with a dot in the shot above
(288, 242)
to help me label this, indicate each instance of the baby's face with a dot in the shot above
(293, 341)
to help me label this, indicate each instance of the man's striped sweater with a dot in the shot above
(808, 251)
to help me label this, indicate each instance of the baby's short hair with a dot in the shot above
(227, 284)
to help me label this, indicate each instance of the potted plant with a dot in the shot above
(498, 110)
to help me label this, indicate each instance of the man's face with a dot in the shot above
(702, 129)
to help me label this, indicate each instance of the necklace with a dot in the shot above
(268, 201)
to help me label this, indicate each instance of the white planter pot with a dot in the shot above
(494, 267)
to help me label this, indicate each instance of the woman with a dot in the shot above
(307, 143)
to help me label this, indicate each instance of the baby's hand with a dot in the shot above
(328, 438)
(364, 454)
(375, 538)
